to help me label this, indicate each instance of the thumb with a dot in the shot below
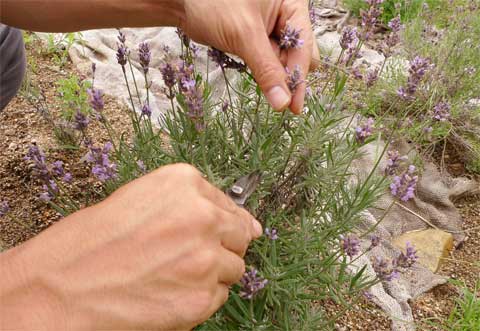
(267, 70)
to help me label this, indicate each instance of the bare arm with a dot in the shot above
(76, 15)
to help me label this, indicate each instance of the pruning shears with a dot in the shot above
(244, 187)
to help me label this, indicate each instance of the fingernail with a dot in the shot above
(278, 98)
(257, 227)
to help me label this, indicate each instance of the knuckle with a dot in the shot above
(186, 170)
(204, 263)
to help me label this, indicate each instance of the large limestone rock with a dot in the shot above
(432, 246)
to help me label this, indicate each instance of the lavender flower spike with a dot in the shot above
(404, 186)
(294, 78)
(384, 270)
(95, 99)
(103, 169)
(351, 246)
(364, 131)
(407, 259)
(271, 234)
(393, 162)
(290, 38)
(81, 121)
(441, 112)
(4, 208)
(145, 55)
(251, 284)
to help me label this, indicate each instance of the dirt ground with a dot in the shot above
(22, 125)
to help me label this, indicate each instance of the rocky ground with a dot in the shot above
(21, 125)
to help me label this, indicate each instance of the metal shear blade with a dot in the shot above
(244, 187)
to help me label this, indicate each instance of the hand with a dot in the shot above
(160, 253)
(244, 28)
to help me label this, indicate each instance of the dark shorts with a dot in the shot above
(12, 63)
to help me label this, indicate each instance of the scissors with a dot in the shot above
(244, 187)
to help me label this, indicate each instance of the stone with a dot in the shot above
(432, 246)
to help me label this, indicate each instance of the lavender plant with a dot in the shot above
(305, 198)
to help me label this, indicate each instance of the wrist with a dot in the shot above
(27, 301)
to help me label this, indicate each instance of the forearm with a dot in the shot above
(76, 15)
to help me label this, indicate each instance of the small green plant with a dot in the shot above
(73, 97)
(465, 315)
(58, 47)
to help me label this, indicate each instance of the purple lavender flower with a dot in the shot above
(374, 241)
(169, 76)
(370, 17)
(183, 37)
(141, 166)
(40, 167)
(121, 37)
(122, 55)
(404, 186)
(441, 112)
(393, 162)
(349, 39)
(46, 196)
(194, 101)
(418, 68)
(67, 178)
(146, 110)
(103, 169)
(95, 99)
(395, 24)
(356, 73)
(407, 259)
(145, 56)
(372, 77)
(351, 245)
(251, 284)
(57, 168)
(4, 208)
(384, 270)
(290, 38)
(50, 191)
(80, 121)
(271, 234)
(94, 70)
(294, 78)
(224, 61)
(428, 130)
(225, 106)
(364, 131)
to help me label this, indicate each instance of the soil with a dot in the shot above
(21, 125)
